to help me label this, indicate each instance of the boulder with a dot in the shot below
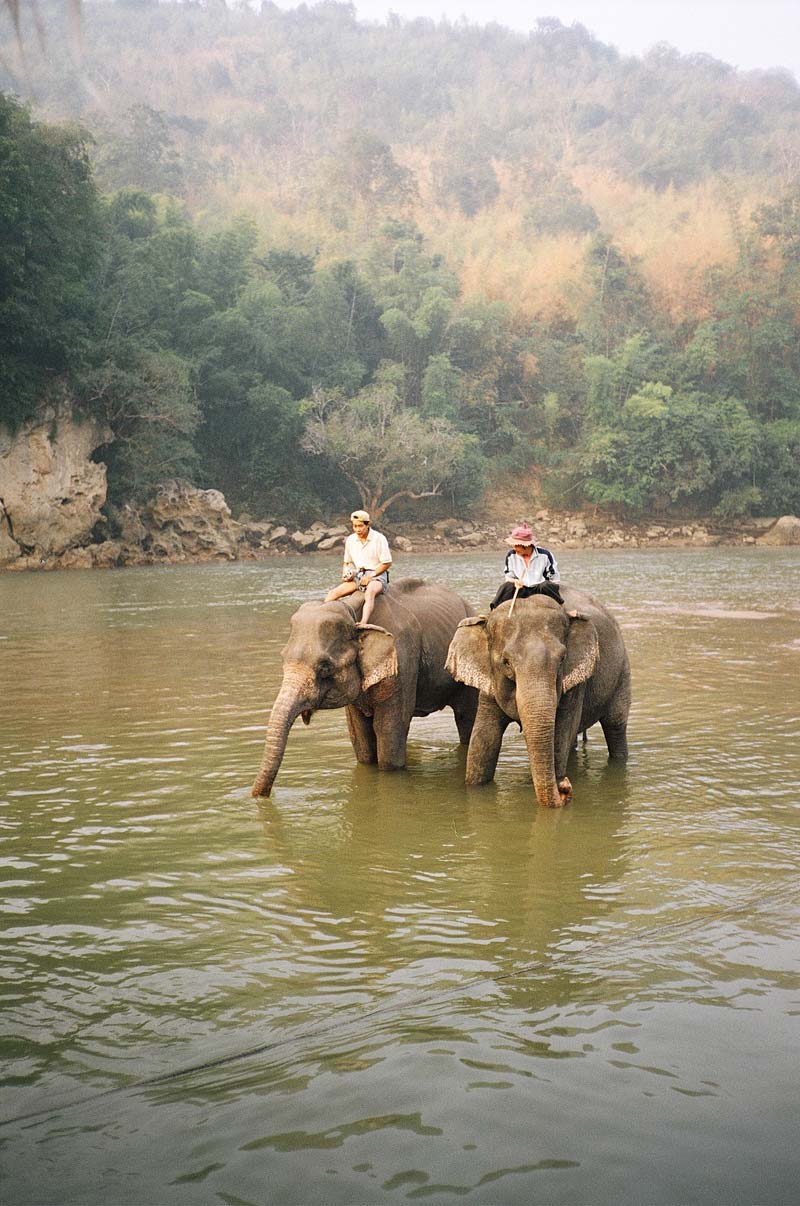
(78, 558)
(330, 542)
(403, 544)
(786, 531)
(52, 490)
(304, 540)
(184, 522)
(278, 534)
(131, 529)
(255, 534)
(107, 554)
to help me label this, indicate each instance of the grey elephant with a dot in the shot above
(383, 673)
(556, 671)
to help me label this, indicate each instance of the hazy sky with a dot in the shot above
(745, 33)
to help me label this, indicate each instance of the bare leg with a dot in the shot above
(339, 592)
(374, 588)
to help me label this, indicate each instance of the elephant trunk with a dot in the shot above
(297, 694)
(538, 717)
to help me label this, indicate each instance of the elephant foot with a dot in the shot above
(565, 790)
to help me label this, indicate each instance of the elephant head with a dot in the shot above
(526, 659)
(328, 662)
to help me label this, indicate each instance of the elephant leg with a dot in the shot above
(568, 724)
(616, 735)
(465, 706)
(491, 723)
(615, 723)
(362, 736)
(391, 734)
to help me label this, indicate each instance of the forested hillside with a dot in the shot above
(487, 254)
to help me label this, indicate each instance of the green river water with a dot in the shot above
(375, 988)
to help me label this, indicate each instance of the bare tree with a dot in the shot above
(385, 449)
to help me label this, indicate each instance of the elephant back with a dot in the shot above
(437, 610)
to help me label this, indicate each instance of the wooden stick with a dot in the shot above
(513, 601)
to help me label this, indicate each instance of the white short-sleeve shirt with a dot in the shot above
(369, 555)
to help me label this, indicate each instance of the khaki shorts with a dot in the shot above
(382, 578)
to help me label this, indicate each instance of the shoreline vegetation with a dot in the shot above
(285, 270)
(184, 525)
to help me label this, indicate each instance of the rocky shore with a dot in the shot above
(182, 524)
(53, 516)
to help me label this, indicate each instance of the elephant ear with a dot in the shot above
(583, 650)
(468, 655)
(377, 661)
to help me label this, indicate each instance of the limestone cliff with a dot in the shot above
(51, 491)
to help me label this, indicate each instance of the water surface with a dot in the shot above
(377, 988)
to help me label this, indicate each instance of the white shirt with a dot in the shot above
(373, 552)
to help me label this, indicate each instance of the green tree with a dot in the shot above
(50, 245)
(140, 153)
(367, 169)
(660, 450)
(618, 304)
(137, 375)
(148, 399)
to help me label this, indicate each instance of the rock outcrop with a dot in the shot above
(51, 491)
(182, 523)
(784, 532)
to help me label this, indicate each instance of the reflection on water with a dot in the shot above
(373, 986)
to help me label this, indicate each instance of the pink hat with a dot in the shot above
(520, 535)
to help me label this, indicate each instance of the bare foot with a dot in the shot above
(565, 789)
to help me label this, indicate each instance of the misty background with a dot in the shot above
(557, 252)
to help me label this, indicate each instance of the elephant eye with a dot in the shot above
(508, 669)
(325, 667)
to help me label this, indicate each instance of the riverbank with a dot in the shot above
(54, 514)
(182, 524)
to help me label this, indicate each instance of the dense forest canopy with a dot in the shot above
(239, 233)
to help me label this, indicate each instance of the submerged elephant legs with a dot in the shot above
(362, 736)
(491, 723)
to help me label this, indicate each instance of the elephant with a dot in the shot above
(554, 669)
(383, 674)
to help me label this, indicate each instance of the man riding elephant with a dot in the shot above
(367, 560)
(530, 569)
(382, 674)
(555, 670)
